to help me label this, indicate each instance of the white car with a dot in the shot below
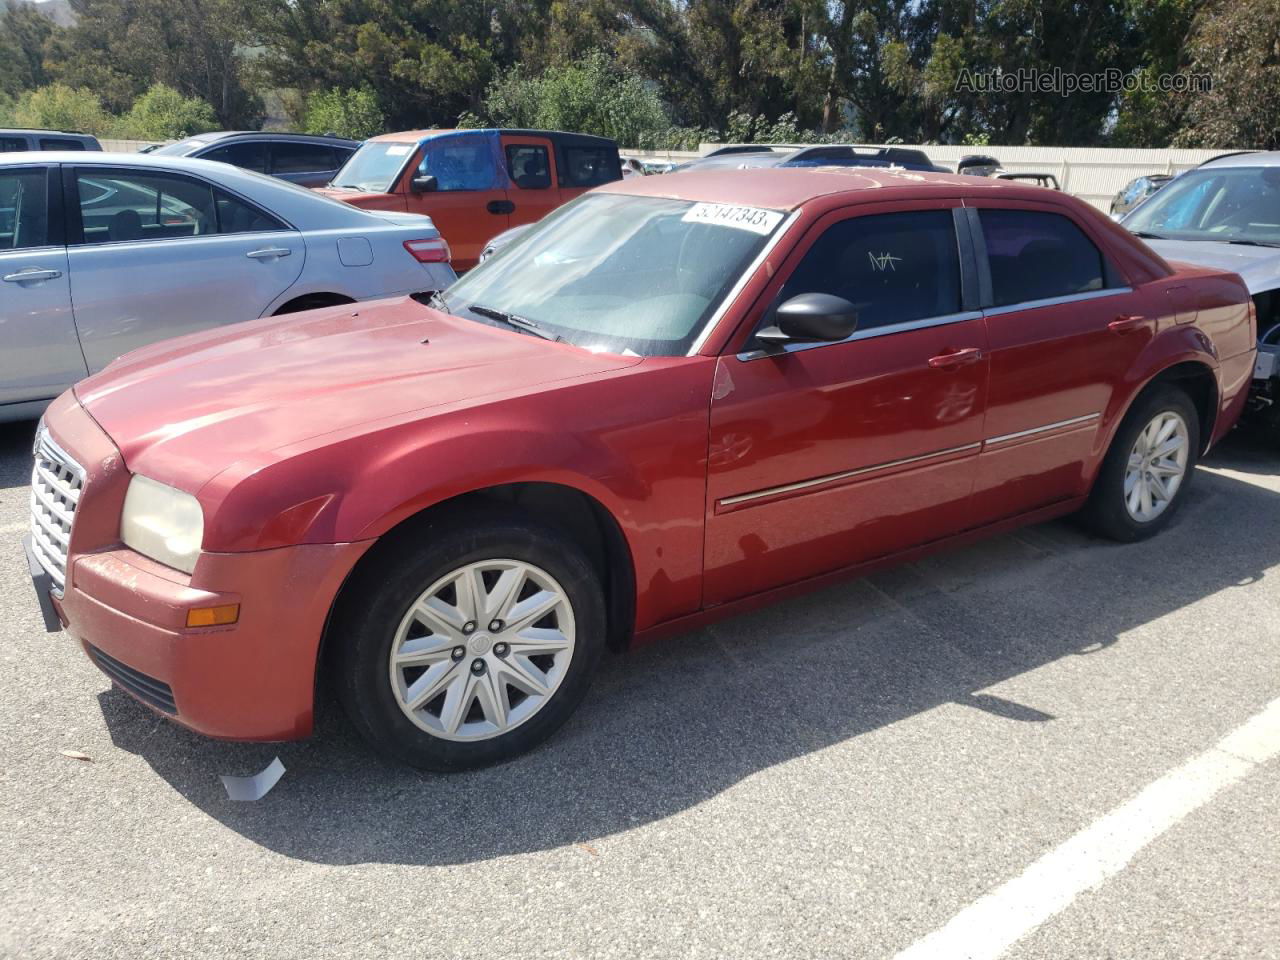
(102, 253)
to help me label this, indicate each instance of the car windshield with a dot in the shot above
(181, 148)
(619, 274)
(374, 166)
(1240, 204)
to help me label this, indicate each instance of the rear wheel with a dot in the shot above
(1145, 474)
(469, 644)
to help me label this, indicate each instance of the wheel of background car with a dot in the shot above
(1147, 470)
(473, 648)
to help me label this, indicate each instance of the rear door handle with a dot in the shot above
(500, 206)
(30, 276)
(955, 358)
(266, 253)
(1126, 323)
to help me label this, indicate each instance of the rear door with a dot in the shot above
(1064, 329)
(155, 254)
(39, 353)
(469, 202)
(531, 169)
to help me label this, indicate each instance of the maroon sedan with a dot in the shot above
(673, 399)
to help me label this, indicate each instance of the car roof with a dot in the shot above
(786, 188)
(213, 136)
(417, 136)
(63, 133)
(1267, 158)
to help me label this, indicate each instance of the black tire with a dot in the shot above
(396, 574)
(1106, 512)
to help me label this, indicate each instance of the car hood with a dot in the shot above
(1259, 267)
(183, 410)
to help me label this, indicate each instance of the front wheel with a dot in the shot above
(1145, 474)
(469, 643)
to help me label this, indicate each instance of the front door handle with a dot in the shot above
(1127, 323)
(500, 206)
(267, 253)
(955, 358)
(31, 276)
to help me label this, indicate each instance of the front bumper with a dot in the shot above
(251, 680)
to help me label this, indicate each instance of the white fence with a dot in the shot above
(1093, 174)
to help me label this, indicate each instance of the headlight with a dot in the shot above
(162, 523)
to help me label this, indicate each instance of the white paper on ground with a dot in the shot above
(248, 789)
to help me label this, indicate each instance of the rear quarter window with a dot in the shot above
(590, 166)
(58, 143)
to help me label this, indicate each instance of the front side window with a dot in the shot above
(529, 166)
(24, 210)
(590, 166)
(248, 155)
(894, 267)
(1228, 204)
(461, 162)
(619, 274)
(1038, 256)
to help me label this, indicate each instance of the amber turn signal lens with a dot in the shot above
(213, 616)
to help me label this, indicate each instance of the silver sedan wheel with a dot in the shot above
(482, 650)
(1157, 466)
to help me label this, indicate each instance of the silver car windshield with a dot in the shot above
(617, 273)
(374, 166)
(1228, 204)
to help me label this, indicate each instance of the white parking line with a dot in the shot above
(990, 925)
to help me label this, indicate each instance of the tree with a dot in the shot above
(120, 48)
(162, 113)
(59, 107)
(1237, 43)
(24, 33)
(348, 113)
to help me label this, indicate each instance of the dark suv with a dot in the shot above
(15, 141)
(300, 158)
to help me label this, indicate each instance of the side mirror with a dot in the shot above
(424, 184)
(810, 318)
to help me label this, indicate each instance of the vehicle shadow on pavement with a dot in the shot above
(670, 725)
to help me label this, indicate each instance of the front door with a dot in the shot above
(157, 254)
(39, 353)
(828, 455)
(468, 200)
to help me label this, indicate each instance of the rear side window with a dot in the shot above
(529, 166)
(24, 210)
(894, 267)
(590, 166)
(1038, 256)
(57, 143)
(301, 158)
(250, 155)
(13, 144)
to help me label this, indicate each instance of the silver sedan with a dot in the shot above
(103, 253)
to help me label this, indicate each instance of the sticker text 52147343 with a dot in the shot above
(753, 219)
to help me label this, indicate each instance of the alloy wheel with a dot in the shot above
(482, 649)
(1157, 466)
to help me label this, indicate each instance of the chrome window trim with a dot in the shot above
(1055, 301)
(868, 334)
(1074, 421)
(843, 475)
(743, 279)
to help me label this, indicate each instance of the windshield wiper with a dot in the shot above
(1255, 243)
(438, 301)
(1149, 236)
(514, 321)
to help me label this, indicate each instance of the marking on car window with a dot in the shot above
(884, 262)
(752, 219)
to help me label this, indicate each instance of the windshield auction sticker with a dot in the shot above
(752, 219)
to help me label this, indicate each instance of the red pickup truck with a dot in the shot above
(675, 399)
(474, 184)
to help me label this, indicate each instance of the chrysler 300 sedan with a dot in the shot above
(674, 398)
(103, 253)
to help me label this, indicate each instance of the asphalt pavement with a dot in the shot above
(852, 774)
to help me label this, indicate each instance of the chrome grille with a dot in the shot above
(56, 484)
